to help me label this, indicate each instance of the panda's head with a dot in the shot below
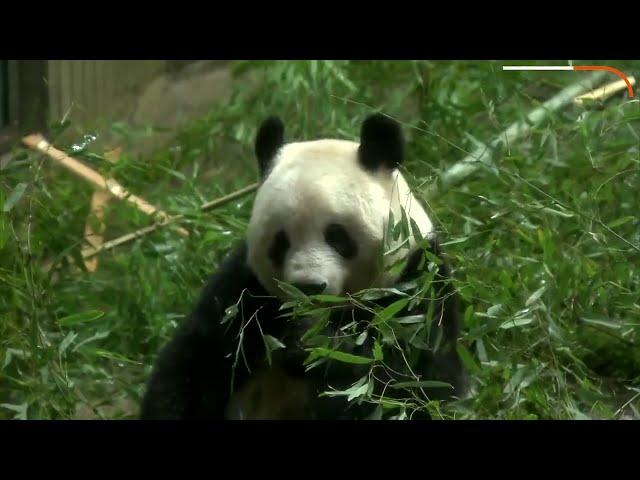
(320, 214)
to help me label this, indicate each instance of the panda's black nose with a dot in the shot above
(310, 288)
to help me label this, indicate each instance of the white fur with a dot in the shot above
(316, 183)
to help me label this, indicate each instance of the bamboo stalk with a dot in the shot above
(483, 154)
(38, 142)
(95, 237)
(227, 198)
(99, 201)
(605, 91)
(152, 228)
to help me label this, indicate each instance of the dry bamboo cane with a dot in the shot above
(38, 142)
(152, 228)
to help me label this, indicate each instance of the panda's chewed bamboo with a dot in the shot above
(483, 155)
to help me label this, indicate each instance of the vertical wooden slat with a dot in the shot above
(14, 95)
(100, 90)
(110, 80)
(97, 90)
(4, 89)
(34, 96)
(65, 87)
(52, 80)
(76, 90)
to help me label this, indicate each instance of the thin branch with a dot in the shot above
(152, 228)
(227, 198)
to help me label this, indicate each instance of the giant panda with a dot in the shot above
(318, 224)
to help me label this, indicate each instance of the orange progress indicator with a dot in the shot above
(575, 68)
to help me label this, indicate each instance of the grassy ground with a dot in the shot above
(545, 250)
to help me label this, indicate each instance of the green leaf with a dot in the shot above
(83, 317)
(21, 410)
(361, 338)
(410, 319)
(468, 315)
(390, 311)
(535, 296)
(356, 390)
(330, 298)
(339, 356)
(416, 230)
(3, 229)
(68, 340)
(96, 336)
(404, 223)
(390, 228)
(271, 344)
(432, 257)
(229, 314)
(378, 293)
(468, 359)
(14, 197)
(291, 291)
(516, 322)
(454, 241)
(492, 312)
(317, 326)
(558, 213)
(11, 352)
(378, 355)
(422, 384)
(602, 322)
(288, 305)
(621, 221)
(113, 356)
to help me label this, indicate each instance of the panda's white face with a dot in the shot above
(319, 218)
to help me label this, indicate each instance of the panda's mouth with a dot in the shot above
(310, 289)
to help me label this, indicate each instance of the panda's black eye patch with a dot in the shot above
(337, 237)
(278, 248)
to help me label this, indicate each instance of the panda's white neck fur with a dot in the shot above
(332, 180)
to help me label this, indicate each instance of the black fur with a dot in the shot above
(193, 373)
(381, 143)
(269, 139)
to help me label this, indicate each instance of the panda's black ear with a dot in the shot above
(269, 139)
(381, 143)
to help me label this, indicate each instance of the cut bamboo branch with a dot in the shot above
(604, 92)
(152, 228)
(38, 142)
(94, 236)
(99, 201)
(484, 155)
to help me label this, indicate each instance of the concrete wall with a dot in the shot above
(93, 94)
(89, 91)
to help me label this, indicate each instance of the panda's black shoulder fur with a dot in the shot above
(194, 372)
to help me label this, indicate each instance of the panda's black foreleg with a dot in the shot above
(179, 387)
(445, 364)
(442, 364)
(193, 373)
